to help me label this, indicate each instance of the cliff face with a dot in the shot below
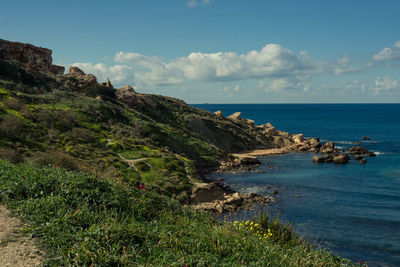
(30, 57)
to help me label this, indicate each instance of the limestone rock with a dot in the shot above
(235, 116)
(360, 150)
(219, 114)
(108, 83)
(298, 138)
(314, 142)
(341, 159)
(29, 57)
(75, 71)
(271, 131)
(57, 70)
(328, 147)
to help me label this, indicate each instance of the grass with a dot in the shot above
(83, 220)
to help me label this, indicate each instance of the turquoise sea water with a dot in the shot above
(353, 209)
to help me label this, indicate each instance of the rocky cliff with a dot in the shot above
(30, 57)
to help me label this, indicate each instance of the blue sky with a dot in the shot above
(223, 51)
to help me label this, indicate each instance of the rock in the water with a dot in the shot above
(329, 147)
(236, 116)
(360, 150)
(358, 157)
(341, 159)
(363, 161)
(298, 138)
(366, 138)
(75, 71)
(219, 113)
(314, 142)
(327, 158)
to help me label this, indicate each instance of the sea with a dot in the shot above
(352, 210)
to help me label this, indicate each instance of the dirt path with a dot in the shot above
(131, 163)
(15, 249)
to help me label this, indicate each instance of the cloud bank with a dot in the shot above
(387, 53)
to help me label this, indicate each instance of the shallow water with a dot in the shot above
(353, 209)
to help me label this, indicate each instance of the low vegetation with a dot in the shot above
(83, 220)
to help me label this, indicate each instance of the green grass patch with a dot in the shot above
(82, 220)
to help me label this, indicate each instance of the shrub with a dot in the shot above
(13, 103)
(10, 155)
(55, 158)
(11, 126)
(99, 90)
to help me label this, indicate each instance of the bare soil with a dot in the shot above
(16, 249)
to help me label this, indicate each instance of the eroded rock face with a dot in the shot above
(30, 57)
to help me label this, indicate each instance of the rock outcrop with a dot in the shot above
(219, 114)
(360, 150)
(217, 199)
(77, 79)
(235, 116)
(239, 164)
(29, 57)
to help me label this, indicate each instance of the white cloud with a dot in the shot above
(118, 74)
(342, 66)
(194, 3)
(386, 83)
(388, 53)
(285, 84)
(271, 61)
(278, 69)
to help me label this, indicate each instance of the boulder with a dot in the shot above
(341, 159)
(360, 150)
(247, 161)
(327, 158)
(363, 161)
(328, 147)
(75, 71)
(358, 157)
(298, 138)
(366, 138)
(235, 116)
(314, 142)
(219, 114)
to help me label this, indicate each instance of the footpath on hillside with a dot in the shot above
(16, 249)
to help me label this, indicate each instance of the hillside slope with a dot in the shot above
(71, 120)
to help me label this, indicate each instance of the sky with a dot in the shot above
(223, 51)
